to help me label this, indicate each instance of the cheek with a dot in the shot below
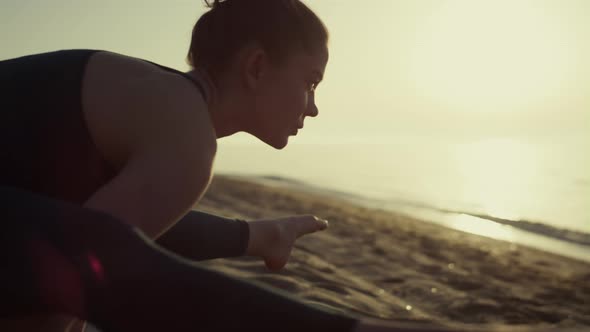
(290, 100)
(299, 104)
(299, 97)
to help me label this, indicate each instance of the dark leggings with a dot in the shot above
(61, 258)
(201, 236)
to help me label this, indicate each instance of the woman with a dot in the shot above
(136, 140)
(103, 153)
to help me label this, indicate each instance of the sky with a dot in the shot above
(460, 69)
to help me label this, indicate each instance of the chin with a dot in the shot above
(280, 144)
(277, 142)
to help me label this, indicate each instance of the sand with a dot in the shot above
(379, 264)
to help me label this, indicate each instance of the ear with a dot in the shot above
(254, 66)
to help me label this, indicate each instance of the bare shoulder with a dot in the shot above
(131, 105)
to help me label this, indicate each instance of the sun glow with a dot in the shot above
(491, 55)
(497, 173)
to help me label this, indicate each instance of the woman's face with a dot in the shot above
(287, 95)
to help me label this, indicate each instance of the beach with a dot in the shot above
(382, 264)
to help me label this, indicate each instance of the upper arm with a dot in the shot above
(155, 189)
(165, 134)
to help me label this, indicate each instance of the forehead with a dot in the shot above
(315, 61)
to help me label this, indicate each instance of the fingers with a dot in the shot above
(323, 223)
(309, 224)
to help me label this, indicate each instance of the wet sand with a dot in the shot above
(379, 264)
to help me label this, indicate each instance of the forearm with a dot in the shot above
(201, 236)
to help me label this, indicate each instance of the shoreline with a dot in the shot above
(380, 264)
(575, 244)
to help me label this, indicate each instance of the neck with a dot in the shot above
(225, 113)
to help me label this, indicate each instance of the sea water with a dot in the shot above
(460, 184)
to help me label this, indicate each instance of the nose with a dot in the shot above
(312, 109)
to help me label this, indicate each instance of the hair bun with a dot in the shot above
(214, 3)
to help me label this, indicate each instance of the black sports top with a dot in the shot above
(45, 144)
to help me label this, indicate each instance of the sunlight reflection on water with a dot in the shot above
(498, 174)
(482, 227)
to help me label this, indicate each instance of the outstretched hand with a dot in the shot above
(273, 239)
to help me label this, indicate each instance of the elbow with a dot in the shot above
(195, 187)
(203, 175)
(200, 186)
(195, 190)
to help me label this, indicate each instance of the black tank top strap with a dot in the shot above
(197, 83)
